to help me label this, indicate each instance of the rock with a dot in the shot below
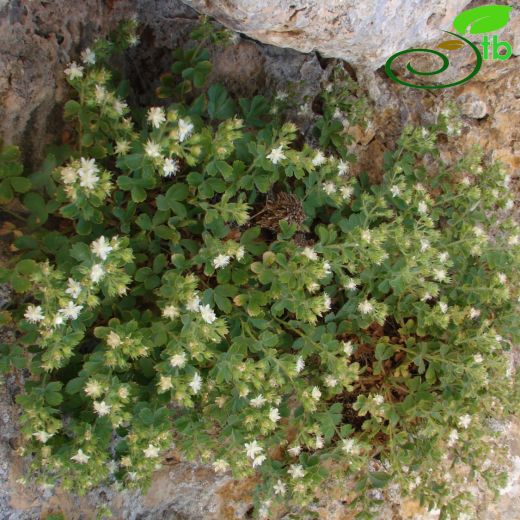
(362, 33)
(35, 46)
(472, 106)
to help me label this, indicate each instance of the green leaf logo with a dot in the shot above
(487, 18)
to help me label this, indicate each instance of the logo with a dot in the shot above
(484, 19)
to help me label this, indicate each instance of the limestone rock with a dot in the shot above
(362, 33)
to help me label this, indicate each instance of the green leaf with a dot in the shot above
(379, 479)
(483, 19)
(20, 184)
(35, 203)
(138, 194)
(26, 266)
(220, 105)
(75, 385)
(177, 192)
(6, 191)
(72, 109)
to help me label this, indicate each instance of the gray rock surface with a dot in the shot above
(363, 33)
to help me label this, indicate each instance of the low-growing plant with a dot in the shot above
(197, 274)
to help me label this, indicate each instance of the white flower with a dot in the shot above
(343, 167)
(279, 488)
(80, 457)
(193, 304)
(474, 313)
(170, 167)
(102, 408)
(315, 393)
(478, 358)
(348, 348)
(100, 93)
(185, 129)
(395, 191)
(443, 257)
(258, 460)
(300, 364)
(274, 415)
(514, 240)
(58, 320)
(151, 452)
(119, 106)
(330, 381)
(464, 421)
(258, 401)
(33, 313)
(123, 392)
(122, 147)
(378, 399)
(133, 40)
(365, 307)
(318, 442)
(329, 188)
(478, 231)
(253, 449)
(281, 95)
(74, 288)
(97, 272)
(453, 437)
(113, 339)
(366, 235)
(240, 253)
(346, 192)
(87, 173)
(71, 311)
(276, 155)
(156, 116)
(427, 296)
(327, 302)
(88, 56)
(425, 245)
(74, 71)
(502, 278)
(220, 466)
(221, 261)
(319, 159)
(350, 285)
(310, 253)
(207, 313)
(196, 383)
(422, 207)
(69, 175)
(295, 451)
(296, 471)
(152, 149)
(93, 389)
(171, 312)
(178, 360)
(350, 446)
(440, 275)
(42, 436)
(313, 287)
(165, 383)
(101, 247)
(444, 307)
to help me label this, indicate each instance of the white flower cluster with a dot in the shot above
(83, 178)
